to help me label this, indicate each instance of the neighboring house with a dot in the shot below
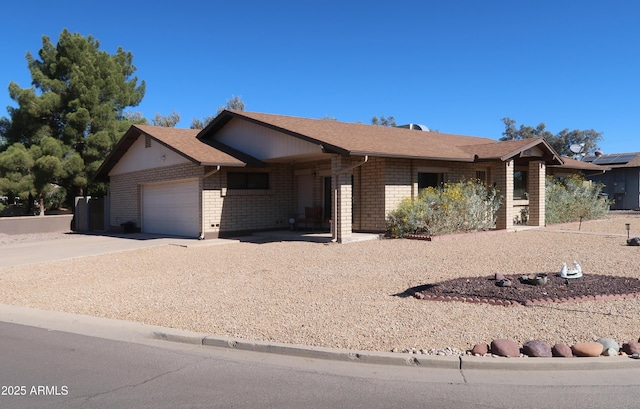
(622, 180)
(251, 171)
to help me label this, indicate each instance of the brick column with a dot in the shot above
(536, 189)
(504, 184)
(342, 198)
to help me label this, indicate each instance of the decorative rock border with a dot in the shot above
(488, 290)
(540, 349)
(450, 236)
(528, 303)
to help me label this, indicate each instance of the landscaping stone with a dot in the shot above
(608, 343)
(631, 348)
(505, 347)
(536, 349)
(610, 352)
(587, 349)
(562, 351)
(480, 349)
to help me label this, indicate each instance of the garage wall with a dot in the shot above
(125, 190)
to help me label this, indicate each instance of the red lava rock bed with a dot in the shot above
(557, 289)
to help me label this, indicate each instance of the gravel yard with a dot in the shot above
(346, 296)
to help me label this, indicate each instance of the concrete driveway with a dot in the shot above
(83, 245)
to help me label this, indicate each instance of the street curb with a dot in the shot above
(465, 362)
(313, 352)
(547, 364)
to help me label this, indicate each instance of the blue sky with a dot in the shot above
(457, 66)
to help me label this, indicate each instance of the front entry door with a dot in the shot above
(305, 193)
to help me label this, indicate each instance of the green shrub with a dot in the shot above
(570, 198)
(459, 207)
(55, 197)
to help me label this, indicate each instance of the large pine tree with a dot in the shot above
(71, 117)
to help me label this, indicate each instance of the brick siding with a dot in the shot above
(230, 211)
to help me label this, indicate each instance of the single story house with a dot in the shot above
(621, 180)
(251, 171)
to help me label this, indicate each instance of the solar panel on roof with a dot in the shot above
(626, 158)
(613, 159)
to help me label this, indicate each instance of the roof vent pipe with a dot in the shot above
(417, 127)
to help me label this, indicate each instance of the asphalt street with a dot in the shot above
(70, 361)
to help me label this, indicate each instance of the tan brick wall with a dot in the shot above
(379, 186)
(228, 211)
(125, 190)
(369, 196)
(382, 183)
(342, 189)
(399, 183)
(222, 210)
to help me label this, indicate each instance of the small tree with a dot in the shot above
(168, 121)
(201, 124)
(561, 142)
(235, 103)
(383, 121)
(36, 171)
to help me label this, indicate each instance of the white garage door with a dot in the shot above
(171, 208)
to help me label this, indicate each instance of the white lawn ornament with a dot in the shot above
(575, 272)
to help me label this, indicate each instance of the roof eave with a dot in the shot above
(401, 156)
(225, 164)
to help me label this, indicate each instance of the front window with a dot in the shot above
(520, 185)
(241, 180)
(426, 180)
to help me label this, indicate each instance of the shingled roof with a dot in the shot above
(570, 163)
(202, 148)
(361, 139)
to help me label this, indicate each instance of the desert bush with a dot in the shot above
(465, 206)
(55, 197)
(568, 199)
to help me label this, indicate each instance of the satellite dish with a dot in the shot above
(576, 148)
